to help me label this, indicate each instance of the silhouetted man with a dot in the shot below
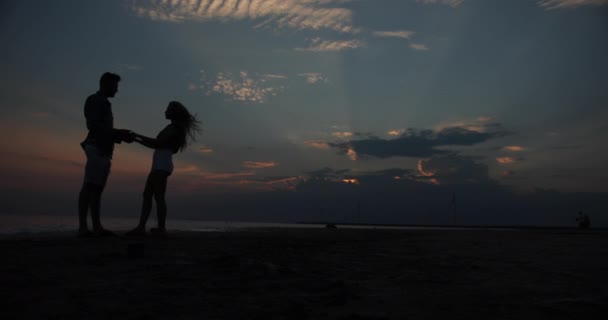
(98, 147)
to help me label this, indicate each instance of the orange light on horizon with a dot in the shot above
(350, 181)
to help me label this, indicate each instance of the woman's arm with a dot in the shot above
(146, 141)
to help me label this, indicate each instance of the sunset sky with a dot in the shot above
(314, 97)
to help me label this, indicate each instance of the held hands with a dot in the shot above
(127, 136)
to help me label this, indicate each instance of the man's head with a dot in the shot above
(108, 84)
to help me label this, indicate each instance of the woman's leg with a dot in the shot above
(146, 206)
(159, 196)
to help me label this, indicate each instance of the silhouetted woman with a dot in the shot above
(173, 138)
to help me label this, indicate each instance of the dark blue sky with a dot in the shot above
(454, 92)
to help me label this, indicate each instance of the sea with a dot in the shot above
(14, 224)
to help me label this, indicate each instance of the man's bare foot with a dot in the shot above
(137, 232)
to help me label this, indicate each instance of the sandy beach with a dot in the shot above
(309, 274)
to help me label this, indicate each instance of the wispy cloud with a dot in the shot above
(506, 160)
(296, 14)
(419, 46)
(342, 134)
(259, 164)
(317, 144)
(318, 45)
(205, 149)
(513, 148)
(563, 4)
(485, 119)
(451, 3)
(403, 34)
(313, 77)
(242, 87)
(397, 132)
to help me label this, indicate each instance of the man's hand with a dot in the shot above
(127, 136)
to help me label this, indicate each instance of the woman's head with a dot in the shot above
(184, 120)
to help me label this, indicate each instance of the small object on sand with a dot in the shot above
(331, 226)
(135, 250)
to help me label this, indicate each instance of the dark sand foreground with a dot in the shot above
(310, 274)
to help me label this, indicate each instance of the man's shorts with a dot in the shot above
(98, 166)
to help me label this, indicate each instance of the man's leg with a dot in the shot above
(83, 209)
(95, 205)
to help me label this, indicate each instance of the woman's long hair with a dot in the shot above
(187, 122)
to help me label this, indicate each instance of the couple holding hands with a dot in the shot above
(99, 147)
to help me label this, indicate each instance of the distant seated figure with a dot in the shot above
(583, 221)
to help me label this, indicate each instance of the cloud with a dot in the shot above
(352, 154)
(449, 169)
(318, 45)
(508, 173)
(274, 76)
(317, 144)
(451, 3)
(513, 148)
(418, 47)
(295, 14)
(403, 34)
(276, 183)
(507, 160)
(421, 143)
(485, 119)
(564, 4)
(259, 164)
(397, 132)
(313, 77)
(242, 87)
(342, 135)
(205, 149)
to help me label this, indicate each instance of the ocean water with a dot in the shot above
(32, 224)
(25, 224)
